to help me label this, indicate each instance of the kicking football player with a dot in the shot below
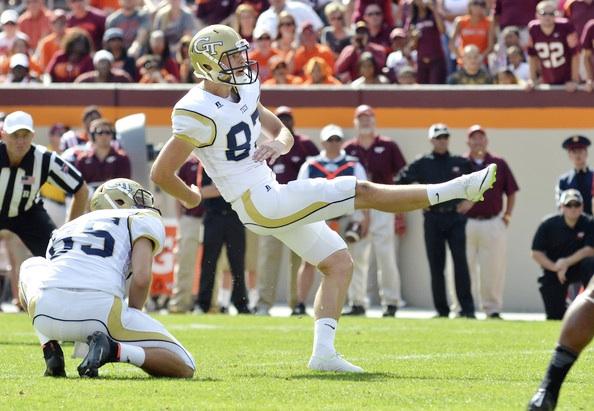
(221, 118)
(576, 333)
(77, 292)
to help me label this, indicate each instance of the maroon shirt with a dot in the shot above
(93, 170)
(287, 166)
(587, 40)
(62, 71)
(93, 23)
(579, 12)
(515, 12)
(429, 43)
(505, 184)
(554, 51)
(188, 172)
(382, 160)
(348, 59)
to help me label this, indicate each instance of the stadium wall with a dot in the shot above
(525, 128)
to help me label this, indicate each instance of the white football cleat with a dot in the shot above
(475, 184)
(332, 363)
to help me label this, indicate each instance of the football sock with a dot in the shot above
(224, 297)
(450, 190)
(324, 333)
(253, 297)
(560, 364)
(131, 354)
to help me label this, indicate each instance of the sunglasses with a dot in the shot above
(334, 139)
(264, 38)
(441, 137)
(573, 204)
(286, 23)
(546, 13)
(374, 13)
(103, 132)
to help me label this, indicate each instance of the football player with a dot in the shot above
(221, 118)
(77, 292)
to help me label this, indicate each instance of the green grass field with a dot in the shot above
(259, 363)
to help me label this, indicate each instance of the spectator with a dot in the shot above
(76, 139)
(471, 71)
(346, 64)
(151, 71)
(104, 71)
(245, 21)
(189, 238)
(113, 41)
(379, 31)
(35, 21)
(280, 73)
(269, 18)
(135, 25)
(587, 43)
(517, 64)
(385, 6)
(406, 76)
(158, 46)
(20, 46)
(317, 71)
(50, 44)
(263, 52)
(102, 162)
(336, 35)
(450, 10)
(10, 31)
(87, 18)
(444, 222)
(286, 41)
(507, 77)
(578, 12)
(333, 162)
(554, 48)
(182, 57)
(310, 48)
(563, 247)
(486, 236)
(369, 72)
(175, 21)
(509, 37)
(209, 12)
(425, 27)
(401, 55)
(271, 249)
(382, 160)
(516, 13)
(476, 28)
(19, 70)
(75, 59)
(581, 176)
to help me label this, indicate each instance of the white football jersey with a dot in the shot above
(224, 134)
(94, 251)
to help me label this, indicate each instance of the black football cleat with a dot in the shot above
(543, 400)
(390, 311)
(355, 311)
(54, 359)
(299, 310)
(102, 349)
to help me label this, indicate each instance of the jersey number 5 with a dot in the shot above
(235, 151)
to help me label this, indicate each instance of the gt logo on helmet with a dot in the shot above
(210, 48)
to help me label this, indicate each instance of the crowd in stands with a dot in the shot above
(354, 42)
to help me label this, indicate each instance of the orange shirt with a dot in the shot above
(106, 4)
(34, 68)
(303, 55)
(477, 34)
(46, 49)
(36, 27)
(264, 70)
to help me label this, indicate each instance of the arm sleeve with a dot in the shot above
(589, 240)
(195, 128)
(539, 241)
(409, 174)
(148, 224)
(64, 175)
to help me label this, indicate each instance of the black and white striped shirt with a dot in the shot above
(19, 186)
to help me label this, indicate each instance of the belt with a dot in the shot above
(446, 210)
(484, 217)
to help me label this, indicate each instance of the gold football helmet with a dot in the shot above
(218, 54)
(121, 193)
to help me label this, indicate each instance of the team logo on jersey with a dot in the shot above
(243, 109)
(218, 104)
(202, 44)
(379, 150)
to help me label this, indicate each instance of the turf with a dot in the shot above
(258, 363)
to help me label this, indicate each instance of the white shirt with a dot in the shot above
(301, 12)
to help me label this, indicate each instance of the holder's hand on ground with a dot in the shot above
(269, 150)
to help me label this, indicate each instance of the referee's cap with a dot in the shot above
(18, 120)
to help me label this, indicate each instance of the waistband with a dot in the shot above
(484, 217)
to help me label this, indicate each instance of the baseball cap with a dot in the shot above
(275, 61)
(364, 109)
(102, 55)
(57, 128)
(474, 128)
(283, 110)
(331, 130)
(437, 130)
(398, 32)
(113, 33)
(19, 59)
(306, 25)
(261, 31)
(361, 26)
(575, 142)
(9, 16)
(18, 120)
(571, 195)
(58, 14)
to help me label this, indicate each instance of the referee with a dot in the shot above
(24, 168)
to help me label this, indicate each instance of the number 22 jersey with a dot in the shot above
(94, 251)
(224, 134)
